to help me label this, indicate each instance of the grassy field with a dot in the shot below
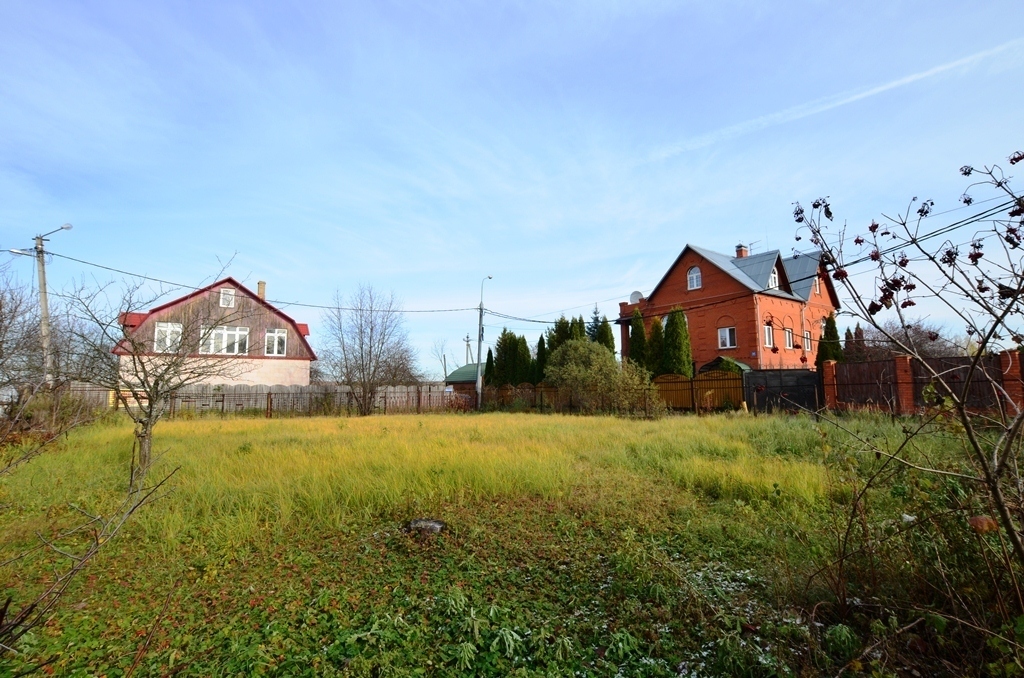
(575, 546)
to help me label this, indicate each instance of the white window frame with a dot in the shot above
(274, 340)
(769, 336)
(227, 297)
(817, 284)
(694, 280)
(166, 337)
(773, 279)
(225, 340)
(807, 340)
(726, 337)
(788, 333)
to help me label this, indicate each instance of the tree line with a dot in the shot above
(512, 362)
(665, 348)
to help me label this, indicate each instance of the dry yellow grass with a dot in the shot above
(238, 477)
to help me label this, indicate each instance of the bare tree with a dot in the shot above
(369, 345)
(439, 352)
(146, 359)
(973, 268)
(34, 415)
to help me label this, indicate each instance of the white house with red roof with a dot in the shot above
(258, 343)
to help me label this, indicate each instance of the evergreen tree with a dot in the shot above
(506, 354)
(489, 369)
(638, 339)
(578, 328)
(541, 362)
(559, 334)
(605, 336)
(862, 346)
(678, 358)
(849, 344)
(829, 347)
(656, 347)
(524, 362)
(594, 326)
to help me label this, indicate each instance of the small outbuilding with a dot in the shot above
(463, 380)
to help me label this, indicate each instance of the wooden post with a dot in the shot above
(419, 399)
(270, 405)
(693, 395)
(170, 414)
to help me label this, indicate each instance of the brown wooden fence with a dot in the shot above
(981, 391)
(867, 384)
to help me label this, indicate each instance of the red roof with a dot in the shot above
(132, 320)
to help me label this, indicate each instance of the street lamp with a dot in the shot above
(44, 305)
(479, 347)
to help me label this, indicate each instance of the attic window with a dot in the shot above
(817, 284)
(693, 281)
(227, 298)
(773, 279)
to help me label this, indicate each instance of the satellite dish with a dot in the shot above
(635, 297)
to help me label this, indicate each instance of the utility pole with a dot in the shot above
(479, 348)
(44, 314)
(44, 304)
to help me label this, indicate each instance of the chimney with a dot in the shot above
(741, 251)
(261, 290)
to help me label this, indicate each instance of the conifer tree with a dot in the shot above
(605, 336)
(559, 334)
(506, 353)
(829, 347)
(849, 343)
(578, 328)
(678, 356)
(656, 347)
(541, 361)
(638, 339)
(524, 362)
(489, 369)
(594, 326)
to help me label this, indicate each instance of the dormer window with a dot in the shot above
(693, 281)
(773, 279)
(227, 298)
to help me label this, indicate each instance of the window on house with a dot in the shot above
(225, 340)
(789, 337)
(277, 342)
(693, 281)
(817, 284)
(227, 298)
(773, 279)
(807, 340)
(726, 337)
(167, 338)
(769, 336)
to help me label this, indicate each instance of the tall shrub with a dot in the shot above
(638, 339)
(678, 356)
(829, 347)
(605, 336)
(541, 361)
(656, 347)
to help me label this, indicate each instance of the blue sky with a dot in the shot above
(570, 150)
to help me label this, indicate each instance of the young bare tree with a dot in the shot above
(447, 363)
(971, 269)
(33, 416)
(146, 360)
(369, 348)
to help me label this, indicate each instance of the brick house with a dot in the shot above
(762, 310)
(227, 322)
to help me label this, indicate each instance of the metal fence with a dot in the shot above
(981, 392)
(783, 390)
(867, 384)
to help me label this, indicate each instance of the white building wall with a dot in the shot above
(248, 371)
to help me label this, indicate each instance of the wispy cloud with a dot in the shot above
(825, 104)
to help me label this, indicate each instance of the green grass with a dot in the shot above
(592, 545)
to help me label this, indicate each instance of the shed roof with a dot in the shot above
(463, 375)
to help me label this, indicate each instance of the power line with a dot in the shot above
(272, 301)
